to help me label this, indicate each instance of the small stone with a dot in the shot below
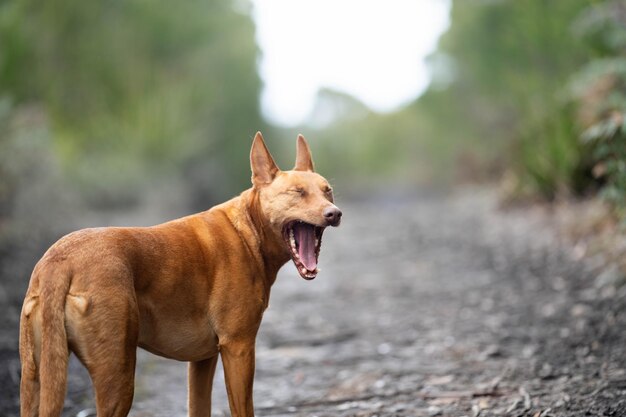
(384, 348)
(546, 371)
(433, 410)
(579, 310)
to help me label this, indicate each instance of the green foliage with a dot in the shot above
(550, 158)
(135, 87)
(512, 59)
(599, 89)
(131, 90)
(359, 146)
(498, 102)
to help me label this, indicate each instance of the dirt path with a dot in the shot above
(435, 306)
(442, 306)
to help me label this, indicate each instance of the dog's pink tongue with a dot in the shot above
(305, 235)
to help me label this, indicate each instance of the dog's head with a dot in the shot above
(298, 204)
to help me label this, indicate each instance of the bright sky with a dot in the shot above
(371, 49)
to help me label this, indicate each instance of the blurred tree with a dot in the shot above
(511, 61)
(497, 103)
(133, 87)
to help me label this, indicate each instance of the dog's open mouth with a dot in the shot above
(304, 241)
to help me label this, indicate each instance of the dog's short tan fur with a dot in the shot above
(189, 289)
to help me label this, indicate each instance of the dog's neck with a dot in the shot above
(265, 244)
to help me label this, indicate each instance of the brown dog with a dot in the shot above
(187, 290)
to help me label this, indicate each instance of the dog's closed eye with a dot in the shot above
(298, 190)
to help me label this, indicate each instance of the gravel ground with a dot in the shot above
(434, 305)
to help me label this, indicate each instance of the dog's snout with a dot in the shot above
(332, 215)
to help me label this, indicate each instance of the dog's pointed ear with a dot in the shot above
(264, 169)
(304, 161)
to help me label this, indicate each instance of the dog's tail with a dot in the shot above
(44, 347)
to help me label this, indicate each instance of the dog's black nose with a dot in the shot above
(332, 215)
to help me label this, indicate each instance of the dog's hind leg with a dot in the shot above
(103, 334)
(114, 387)
(200, 386)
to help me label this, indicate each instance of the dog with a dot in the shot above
(191, 289)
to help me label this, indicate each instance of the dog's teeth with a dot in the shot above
(303, 270)
(292, 239)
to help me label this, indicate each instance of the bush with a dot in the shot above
(599, 90)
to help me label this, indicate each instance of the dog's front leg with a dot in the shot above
(238, 360)
(200, 386)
